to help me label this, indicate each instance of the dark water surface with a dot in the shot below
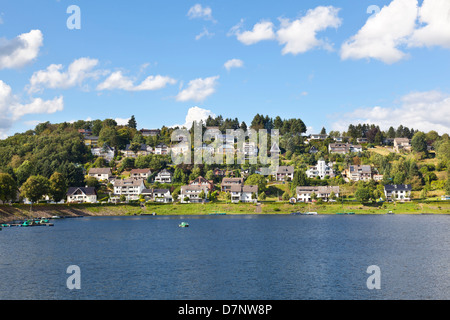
(229, 257)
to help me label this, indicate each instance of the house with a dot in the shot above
(343, 148)
(249, 150)
(378, 177)
(219, 172)
(85, 132)
(321, 192)
(362, 140)
(157, 195)
(164, 176)
(313, 150)
(402, 144)
(227, 183)
(205, 149)
(91, 141)
(191, 194)
(150, 132)
(144, 150)
(322, 169)
(181, 148)
(162, 149)
(358, 173)
(243, 193)
(225, 148)
(81, 195)
(284, 173)
(140, 173)
(397, 192)
(100, 173)
(105, 152)
(131, 188)
(318, 136)
(200, 181)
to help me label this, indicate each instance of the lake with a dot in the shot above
(247, 257)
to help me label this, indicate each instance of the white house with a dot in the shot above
(162, 149)
(164, 176)
(322, 169)
(81, 195)
(398, 192)
(100, 173)
(157, 195)
(140, 173)
(191, 194)
(105, 152)
(358, 173)
(322, 192)
(240, 193)
(144, 150)
(284, 172)
(131, 188)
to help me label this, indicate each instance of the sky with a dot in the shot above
(327, 62)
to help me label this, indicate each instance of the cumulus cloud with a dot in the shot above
(195, 114)
(300, 35)
(198, 11)
(55, 78)
(20, 51)
(12, 109)
(425, 111)
(434, 29)
(234, 63)
(118, 81)
(198, 89)
(382, 34)
(261, 31)
(297, 36)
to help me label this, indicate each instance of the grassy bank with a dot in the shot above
(20, 211)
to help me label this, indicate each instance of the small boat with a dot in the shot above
(348, 213)
(184, 225)
(310, 213)
(390, 212)
(55, 217)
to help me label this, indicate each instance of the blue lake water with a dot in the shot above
(229, 257)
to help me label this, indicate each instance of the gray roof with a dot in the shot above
(100, 171)
(398, 187)
(128, 182)
(361, 169)
(285, 169)
(317, 189)
(89, 191)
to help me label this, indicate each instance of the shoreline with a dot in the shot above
(10, 213)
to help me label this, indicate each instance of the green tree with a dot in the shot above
(34, 189)
(57, 187)
(92, 182)
(132, 123)
(419, 142)
(257, 180)
(8, 188)
(363, 193)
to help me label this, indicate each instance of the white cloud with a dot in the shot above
(299, 35)
(122, 121)
(12, 109)
(234, 63)
(382, 34)
(53, 77)
(434, 16)
(204, 33)
(118, 81)
(425, 111)
(38, 106)
(20, 51)
(261, 31)
(198, 89)
(195, 114)
(197, 11)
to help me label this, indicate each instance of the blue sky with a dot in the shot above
(329, 63)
